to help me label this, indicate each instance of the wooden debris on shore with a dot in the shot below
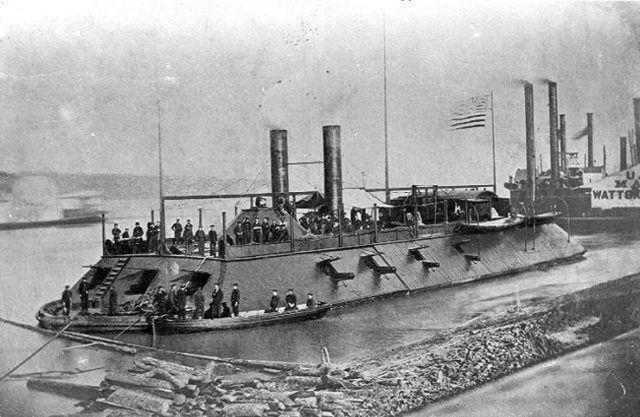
(159, 387)
(68, 389)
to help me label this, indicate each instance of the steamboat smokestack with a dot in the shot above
(530, 138)
(636, 117)
(279, 167)
(590, 140)
(332, 169)
(623, 153)
(562, 132)
(553, 132)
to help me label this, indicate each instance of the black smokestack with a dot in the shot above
(530, 137)
(562, 133)
(623, 153)
(279, 161)
(553, 132)
(332, 169)
(636, 118)
(590, 140)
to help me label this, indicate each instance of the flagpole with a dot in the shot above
(493, 145)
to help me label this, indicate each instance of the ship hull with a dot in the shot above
(336, 276)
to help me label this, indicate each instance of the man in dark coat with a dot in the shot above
(181, 301)
(188, 233)
(291, 301)
(225, 311)
(171, 300)
(235, 300)
(273, 231)
(273, 304)
(177, 232)
(216, 301)
(160, 299)
(116, 233)
(265, 229)
(198, 301)
(213, 240)
(310, 301)
(246, 231)
(138, 232)
(237, 231)
(113, 301)
(66, 300)
(83, 290)
(200, 238)
(256, 231)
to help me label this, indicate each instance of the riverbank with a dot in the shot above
(397, 380)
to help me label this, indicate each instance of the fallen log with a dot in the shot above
(134, 381)
(184, 373)
(78, 391)
(132, 400)
(175, 382)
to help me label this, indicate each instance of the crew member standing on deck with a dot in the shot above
(256, 231)
(235, 300)
(177, 232)
(66, 300)
(116, 233)
(216, 301)
(83, 290)
(237, 231)
(213, 239)
(246, 231)
(200, 238)
(291, 301)
(188, 234)
(138, 232)
(265, 230)
(171, 301)
(113, 301)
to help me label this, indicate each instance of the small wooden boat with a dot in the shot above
(495, 225)
(166, 325)
(50, 317)
(543, 218)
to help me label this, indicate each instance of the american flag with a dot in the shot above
(470, 113)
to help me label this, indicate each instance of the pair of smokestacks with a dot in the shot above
(332, 167)
(557, 136)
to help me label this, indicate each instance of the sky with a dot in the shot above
(85, 87)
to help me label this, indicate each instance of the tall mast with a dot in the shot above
(387, 193)
(162, 226)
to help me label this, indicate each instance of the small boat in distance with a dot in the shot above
(494, 225)
(165, 325)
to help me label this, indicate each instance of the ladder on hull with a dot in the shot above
(113, 274)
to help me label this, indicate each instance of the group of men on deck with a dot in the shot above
(184, 235)
(83, 291)
(126, 242)
(260, 232)
(174, 302)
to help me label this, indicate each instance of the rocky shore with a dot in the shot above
(390, 383)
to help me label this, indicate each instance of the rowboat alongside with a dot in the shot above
(164, 325)
(49, 317)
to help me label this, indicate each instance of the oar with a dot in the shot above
(37, 351)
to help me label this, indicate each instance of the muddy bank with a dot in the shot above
(389, 383)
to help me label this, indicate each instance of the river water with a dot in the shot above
(35, 265)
